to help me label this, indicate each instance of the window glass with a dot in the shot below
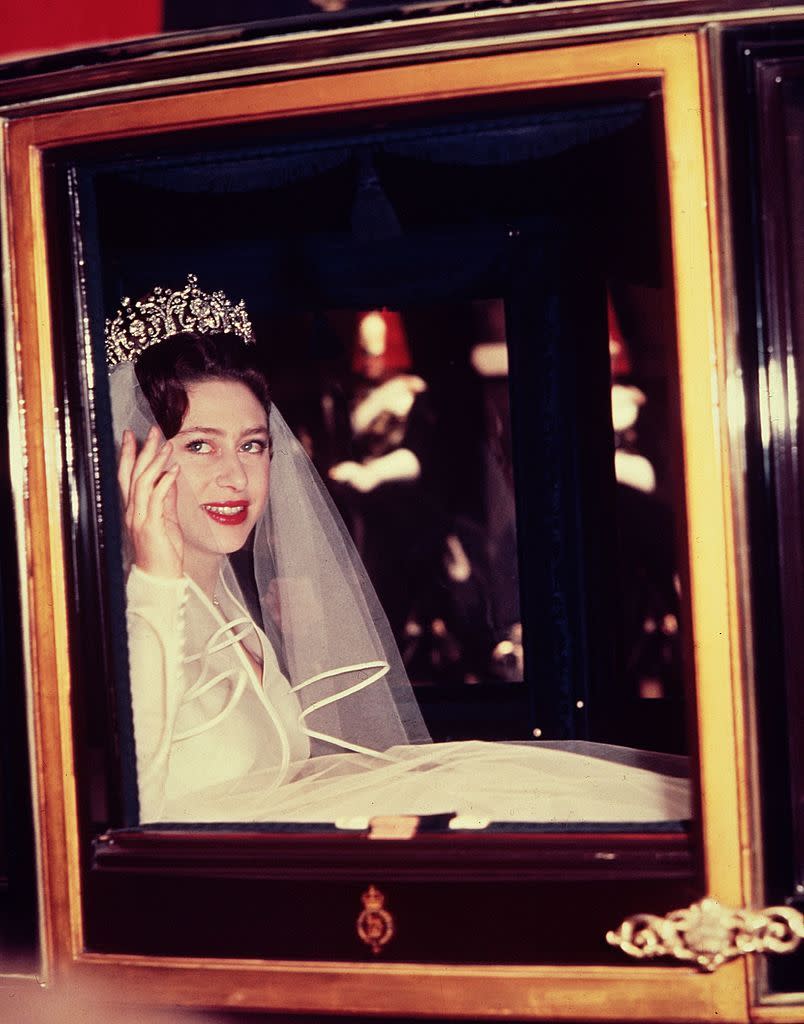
(465, 326)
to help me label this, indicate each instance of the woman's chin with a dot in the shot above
(224, 540)
(231, 538)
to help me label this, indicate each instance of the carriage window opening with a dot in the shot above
(485, 388)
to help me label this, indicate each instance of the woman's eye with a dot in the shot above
(198, 447)
(256, 446)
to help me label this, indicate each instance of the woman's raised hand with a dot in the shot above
(149, 501)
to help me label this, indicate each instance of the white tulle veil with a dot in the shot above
(318, 607)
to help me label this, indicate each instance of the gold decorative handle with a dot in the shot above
(709, 934)
(375, 925)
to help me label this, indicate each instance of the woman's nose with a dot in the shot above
(231, 472)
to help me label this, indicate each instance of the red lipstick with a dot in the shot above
(228, 513)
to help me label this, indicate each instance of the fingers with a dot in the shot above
(163, 496)
(150, 450)
(128, 454)
(131, 465)
(147, 473)
(148, 486)
(144, 489)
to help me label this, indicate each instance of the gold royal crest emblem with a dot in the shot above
(375, 925)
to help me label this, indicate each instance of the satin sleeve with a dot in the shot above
(156, 639)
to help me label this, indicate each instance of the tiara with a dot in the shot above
(163, 313)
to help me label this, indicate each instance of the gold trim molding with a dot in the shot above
(709, 934)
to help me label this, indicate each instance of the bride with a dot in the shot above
(277, 693)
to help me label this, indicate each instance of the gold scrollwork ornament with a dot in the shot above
(709, 934)
(375, 925)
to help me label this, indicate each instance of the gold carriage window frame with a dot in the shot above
(536, 992)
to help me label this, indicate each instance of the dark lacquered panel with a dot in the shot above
(452, 898)
(766, 108)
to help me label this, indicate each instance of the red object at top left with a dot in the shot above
(43, 26)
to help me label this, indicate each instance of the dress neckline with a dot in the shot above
(257, 676)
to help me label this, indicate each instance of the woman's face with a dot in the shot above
(222, 452)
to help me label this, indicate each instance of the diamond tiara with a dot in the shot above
(163, 313)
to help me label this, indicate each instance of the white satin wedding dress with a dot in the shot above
(217, 742)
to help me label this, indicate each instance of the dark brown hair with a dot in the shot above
(165, 370)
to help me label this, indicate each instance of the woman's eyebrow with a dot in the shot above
(201, 430)
(259, 429)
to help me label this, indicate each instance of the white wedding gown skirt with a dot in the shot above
(480, 782)
(217, 743)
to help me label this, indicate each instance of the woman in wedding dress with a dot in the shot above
(279, 695)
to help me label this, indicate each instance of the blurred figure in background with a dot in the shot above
(381, 416)
(649, 582)
(394, 499)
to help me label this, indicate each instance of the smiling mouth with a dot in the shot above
(230, 513)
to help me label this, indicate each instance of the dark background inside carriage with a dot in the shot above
(535, 211)
(18, 898)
